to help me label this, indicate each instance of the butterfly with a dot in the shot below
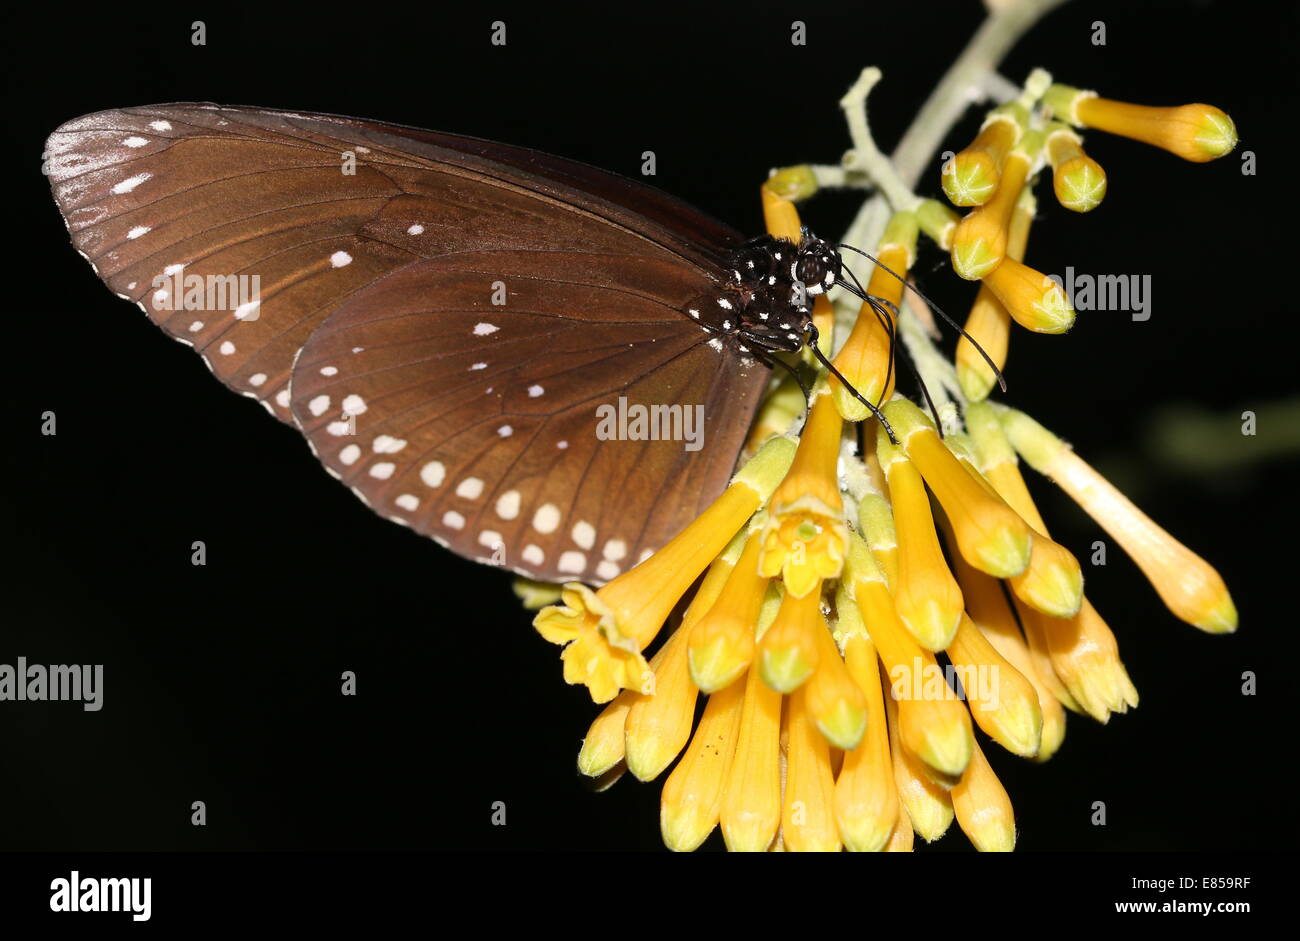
(442, 317)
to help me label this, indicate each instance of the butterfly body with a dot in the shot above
(442, 316)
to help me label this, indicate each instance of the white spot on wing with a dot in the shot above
(584, 534)
(483, 329)
(573, 562)
(453, 520)
(433, 474)
(408, 501)
(130, 183)
(319, 405)
(533, 555)
(350, 454)
(471, 488)
(383, 470)
(508, 505)
(547, 518)
(387, 444)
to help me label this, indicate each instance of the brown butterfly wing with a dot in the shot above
(478, 424)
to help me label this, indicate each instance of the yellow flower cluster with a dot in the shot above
(833, 581)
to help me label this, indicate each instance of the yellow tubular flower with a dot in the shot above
(605, 631)
(807, 817)
(1002, 702)
(602, 749)
(991, 535)
(659, 722)
(835, 703)
(866, 359)
(983, 808)
(989, 611)
(1187, 584)
(1078, 181)
(925, 594)
(692, 795)
(1033, 300)
(1085, 655)
(789, 650)
(779, 193)
(933, 724)
(928, 806)
(866, 798)
(751, 802)
(722, 641)
(1196, 132)
(971, 176)
(979, 243)
(988, 323)
(1053, 581)
(805, 535)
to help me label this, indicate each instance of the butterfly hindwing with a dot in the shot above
(481, 424)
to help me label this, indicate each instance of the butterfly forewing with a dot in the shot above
(481, 424)
(264, 237)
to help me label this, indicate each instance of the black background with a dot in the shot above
(222, 682)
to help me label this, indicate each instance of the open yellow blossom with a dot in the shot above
(605, 631)
(805, 535)
(1196, 132)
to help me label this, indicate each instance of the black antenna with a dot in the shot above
(1002, 383)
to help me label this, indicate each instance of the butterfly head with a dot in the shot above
(816, 264)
